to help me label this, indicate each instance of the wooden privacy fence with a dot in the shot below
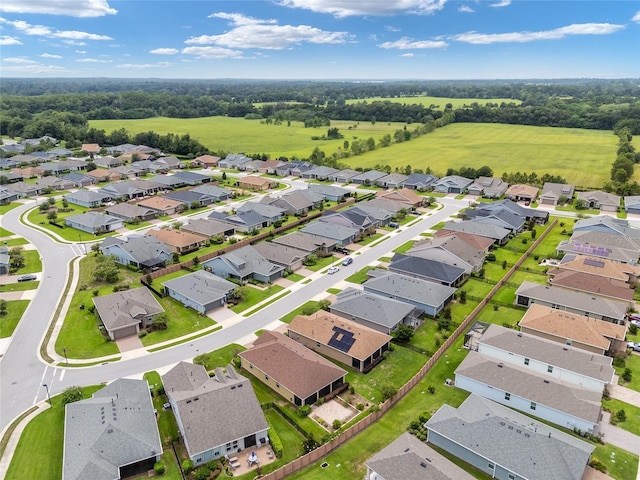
(323, 450)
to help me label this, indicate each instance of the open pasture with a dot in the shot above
(237, 135)
(582, 157)
(439, 102)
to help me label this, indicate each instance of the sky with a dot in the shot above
(320, 39)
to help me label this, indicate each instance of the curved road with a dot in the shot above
(22, 372)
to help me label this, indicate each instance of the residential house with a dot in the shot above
(207, 161)
(383, 204)
(252, 166)
(319, 173)
(170, 162)
(86, 198)
(270, 166)
(94, 222)
(393, 180)
(108, 162)
(451, 250)
(334, 194)
(270, 212)
(130, 189)
(580, 303)
(306, 242)
(597, 199)
(602, 244)
(488, 187)
(607, 224)
(593, 284)
(378, 216)
(298, 374)
(245, 222)
(216, 416)
(18, 160)
(451, 184)
(556, 193)
(25, 190)
(374, 311)
(7, 196)
(368, 178)
(59, 152)
(219, 194)
(27, 172)
(293, 168)
(79, 180)
(522, 193)
(343, 176)
(428, 269)
(208, 227)
(294, 203)
(405, 196)
(192, 178)
(102, 175)
(428, 296)
(11, 177)
(111, 435)
(340, 234)
(200, 290)
(91, 148)
(180, 241)
(575, 330)
(501, 218)
(143, 167)
(189, 198)
(130, 212)
(233, 161)
(632, 204)
(124, 313)
(351, 218)
(162, 206)
(145, 252)
(525, 390)
(499, 235)
(132, 171)
(572, 365)
(420, 181)
(409, 458)
(346, 342)
(244, 264)
(254, 183)
(492, 438)
(289, 257)
(55, 183)
(120, 149)
(539, 216)
(5, 260)
(169, 181)
(601, 267)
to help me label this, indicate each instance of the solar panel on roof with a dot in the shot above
(593, 263)
(342, 339)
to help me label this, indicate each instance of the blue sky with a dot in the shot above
(320, 39)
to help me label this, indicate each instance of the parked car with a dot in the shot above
(634, 346)
(333, 270)
(343, 250)
(347, 261)
(27, 278)
(394, 224)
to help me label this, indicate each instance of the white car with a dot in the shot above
(333, 270)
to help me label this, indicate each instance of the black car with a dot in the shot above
(343, 250)
(27, 278)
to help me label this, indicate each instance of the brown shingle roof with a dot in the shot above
(176, 238)
(606, 287)
(319, 327)
(253, 180)
(599, 266)
(292, 365)
(571, 326)
(159, 203)
(522, 190)
(481, 243)
(403, 195)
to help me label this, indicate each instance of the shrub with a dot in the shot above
(633, 329)
(627, 375)
(490, 257)
(92, 308)
(444, 323)
(160, 321)
(360, 406)
(304, 410)
(142, 333)
(463, 296)
(387, 390)
(201, 474)
(337, 424)
(96, 292)
(159, 468)
(403, 333)
(524, 241)
(187, 466)
(71, 394)
(598, 465)
(276, 443)
(431, 389)
(621, 415)
(619, 361)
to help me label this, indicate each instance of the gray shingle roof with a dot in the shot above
(330, 230)
(116, 427)
(212, 190)
(535, 387)
(328, 190)
(247, 260)
(142, 249)
(477, 228)
(200, 286)
(369, 306)
(409, 288)
(126, 308)
(207, 227)
(213, 411)
(371, 175)
(425, 267)
(280, 254)
(520, 444)
(267, 211)
(576, 300)
(453, 244)
(304, 241)
(561, 356)
(605, 222)
(86, 196)
(129, 210)
(93, 219)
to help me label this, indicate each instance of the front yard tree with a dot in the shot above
(3, 308)
(52, 216)
(106, 269)
(403, 333)
(160, 321)
(71, 394)
(241, 292)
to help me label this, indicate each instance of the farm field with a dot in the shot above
(237, 135)
(439, 102)
(582, 157)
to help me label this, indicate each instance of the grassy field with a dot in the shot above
(251, 136)
(439, 102)
(8, 322)
(582, 157)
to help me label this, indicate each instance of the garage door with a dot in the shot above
(125, 332)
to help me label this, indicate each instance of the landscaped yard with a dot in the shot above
(632, 362)
(360, 276)
(32, 262)
(405, 247)
(632, 412)
(7, 208)
(8, 322)
(321, 263)
(311, 304)
(20, 286)
(70, 234)
(167, 425)
(255, 296)
(14, 242)
(219, 358)
(369, 239)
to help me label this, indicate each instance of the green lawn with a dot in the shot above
(4, 232)
(295, 277)
(67, 233)
(333, 291)
(219, 358)
(582, 157)
(369, 239)
(7, 208)
(623, 465)
(9, 322)
(19, 287)
(39, 451)
(321, 263)
(32, 262)
(298, 311)
(167, 425)
(632, 423)
(632, 362)
(405, 247)
(360, 276)
(14, 242)
(255, 296)
(438, 102)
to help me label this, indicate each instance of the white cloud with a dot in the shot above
(34, 68)
(142, 66)
(20, 60)
(50, 55)
(555, 34)
(408, 55)
(212, 53)
(349, 8)
(7, 40)
(92, 60)
(81, 52)
(501, 3)
(73, 8)
(74, 43)
(164, 51)
(406, 43)
(44, 31)
(248, 32)
(636, 17)
(465, 9)
(389, 28)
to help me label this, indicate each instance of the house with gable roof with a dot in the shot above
(145, 252)
(553, 193)
(125, 313)
(598, 199)
(243, 264)
(420, 181)
(451, 184)
(94, 222)
(199, 290)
